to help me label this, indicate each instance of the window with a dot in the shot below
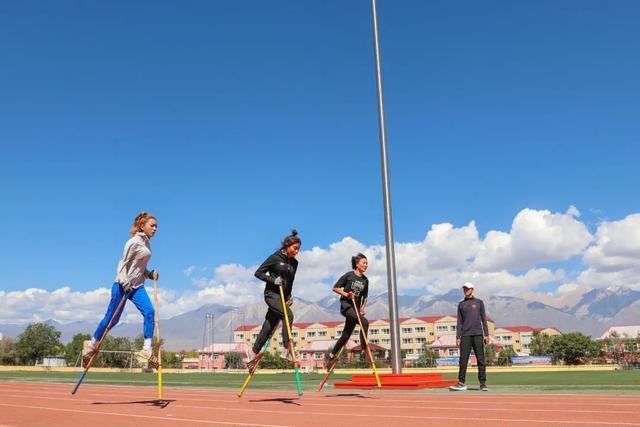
(407, 340)
(373, 331)
(375, 341)
(254, 336)
(318, 356)
(421, 330)
(407, 330)
(339, 332)
(453, 328)
(506, 338)
(386, 341)
(421, 340)
(443, 328)
(311, 334)
(409, 351)
(453, 352)
(295, 334)
(386, 331)
(322, 333)
(497, 337)
(305, 356)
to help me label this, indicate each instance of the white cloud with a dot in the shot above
(508, 263)
(614, 258)
(537, 236)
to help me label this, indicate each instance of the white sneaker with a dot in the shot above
(458, 387)
(143, 356)
(88, 352)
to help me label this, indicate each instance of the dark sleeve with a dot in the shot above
(365, 294)
(261, 272)
(459, 322)
(342, 281)
(483, 319)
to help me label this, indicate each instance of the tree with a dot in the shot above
(273, 361)
(115, 360)
(616, 345)
(233, 360)
(490, 354)
(73, 349)
(574, 348)
(171, 359)
(541, 344)
(38, 340)
(8, 355)
(427, 357)
(504, 358)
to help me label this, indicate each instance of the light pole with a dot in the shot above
(396, 362)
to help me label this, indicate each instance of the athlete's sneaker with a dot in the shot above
(252, 365)
(144, 357)
(484, 387)
(458, 387)
(88, 353)
(333, 359)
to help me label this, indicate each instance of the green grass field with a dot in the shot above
(619, 382)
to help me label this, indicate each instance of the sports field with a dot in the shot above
(609, 398)
(517, 382)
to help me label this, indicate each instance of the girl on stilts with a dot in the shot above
(277, 270)
(130, 276)
(353, 284)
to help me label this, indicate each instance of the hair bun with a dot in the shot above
(294, 232)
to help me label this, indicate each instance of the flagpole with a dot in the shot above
(396, 360)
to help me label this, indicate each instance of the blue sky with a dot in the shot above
(234, 121)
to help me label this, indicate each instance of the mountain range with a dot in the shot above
(590, 312)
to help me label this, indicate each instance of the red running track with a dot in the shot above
(43, 404)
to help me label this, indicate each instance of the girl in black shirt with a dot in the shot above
(278, 270)
(352, 284)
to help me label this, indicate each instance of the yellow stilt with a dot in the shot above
(158, 342)
(292, 348)
(366, 341)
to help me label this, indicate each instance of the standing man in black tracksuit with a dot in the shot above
(471, 332)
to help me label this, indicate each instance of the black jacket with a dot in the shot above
(472, 319)
(278, 265)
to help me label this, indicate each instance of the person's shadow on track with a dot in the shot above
(156, 403)
(287, 400)
(358, 395)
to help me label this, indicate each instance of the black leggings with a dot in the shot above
(349, 325)
(274, 315)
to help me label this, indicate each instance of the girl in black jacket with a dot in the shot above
(353, 284)
(279, 270)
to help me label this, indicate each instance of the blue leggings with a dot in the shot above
(142, 302)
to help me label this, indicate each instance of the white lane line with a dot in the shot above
(339, 405)
(129, 415)
(514, 396)
(346, 415)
